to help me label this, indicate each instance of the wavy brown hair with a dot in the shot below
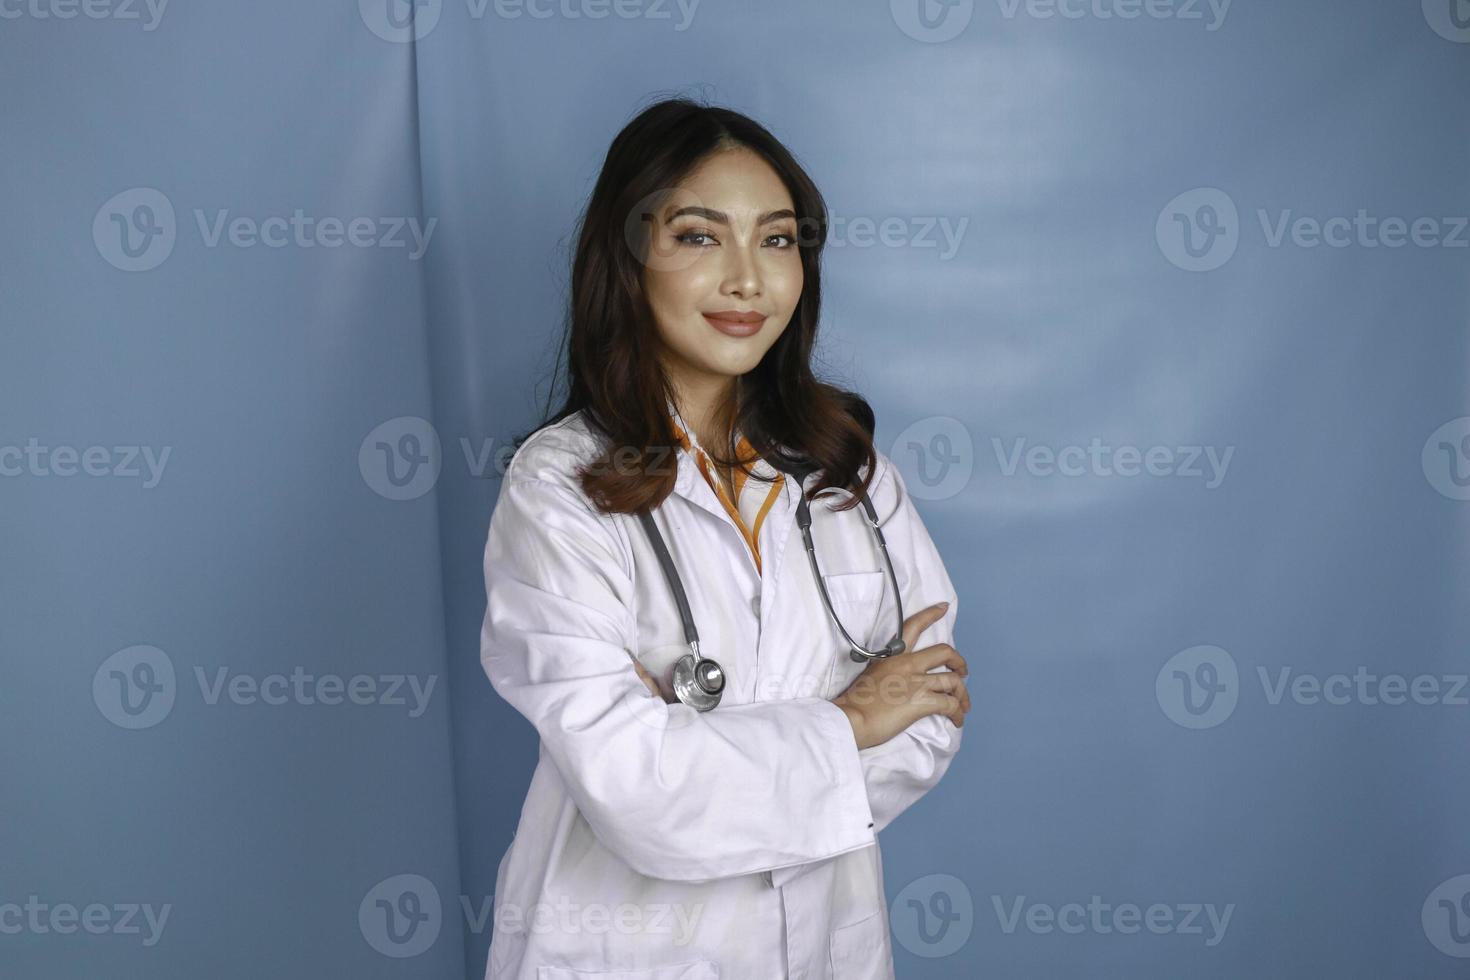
(612, 371)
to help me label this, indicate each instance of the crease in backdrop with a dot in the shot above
(1095, 239)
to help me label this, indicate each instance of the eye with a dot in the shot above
(688, 238)
(790, 239)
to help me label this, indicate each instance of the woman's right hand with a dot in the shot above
(647, 679)
(894, 692)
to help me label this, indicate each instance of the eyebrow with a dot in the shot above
(721, 217)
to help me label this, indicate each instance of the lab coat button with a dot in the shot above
(755, 606)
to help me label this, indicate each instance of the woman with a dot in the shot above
(660, 840)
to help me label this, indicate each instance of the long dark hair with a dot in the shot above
(613, 374)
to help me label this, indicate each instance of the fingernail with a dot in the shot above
(944, 604)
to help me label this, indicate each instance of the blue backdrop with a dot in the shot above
(1162, 305)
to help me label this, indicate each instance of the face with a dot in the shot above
(723, 273)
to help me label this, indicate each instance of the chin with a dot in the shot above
(726, 370)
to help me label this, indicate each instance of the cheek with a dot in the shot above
(674, 297)
(785, 282)
(677, 292)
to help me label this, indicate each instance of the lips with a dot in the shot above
(734, 323)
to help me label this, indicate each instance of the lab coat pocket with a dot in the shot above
(694, 970)
(856, 598)
(860, 951)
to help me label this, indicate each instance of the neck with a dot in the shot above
(702, 403)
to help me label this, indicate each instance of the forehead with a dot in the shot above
(735, 181)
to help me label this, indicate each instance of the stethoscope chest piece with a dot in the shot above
(698, 682)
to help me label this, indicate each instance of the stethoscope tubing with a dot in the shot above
(858, 652)
(698, 680)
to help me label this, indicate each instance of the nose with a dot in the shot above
(742, 274)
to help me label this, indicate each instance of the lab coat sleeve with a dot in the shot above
(677, 794)
(896, 773)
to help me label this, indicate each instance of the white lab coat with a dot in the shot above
(661, 843)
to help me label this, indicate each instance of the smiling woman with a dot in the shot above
(739, 774)
(746, 284)
(697, 281)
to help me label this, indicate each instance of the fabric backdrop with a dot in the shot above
(1162, 307)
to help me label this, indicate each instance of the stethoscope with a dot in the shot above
(698, 680)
